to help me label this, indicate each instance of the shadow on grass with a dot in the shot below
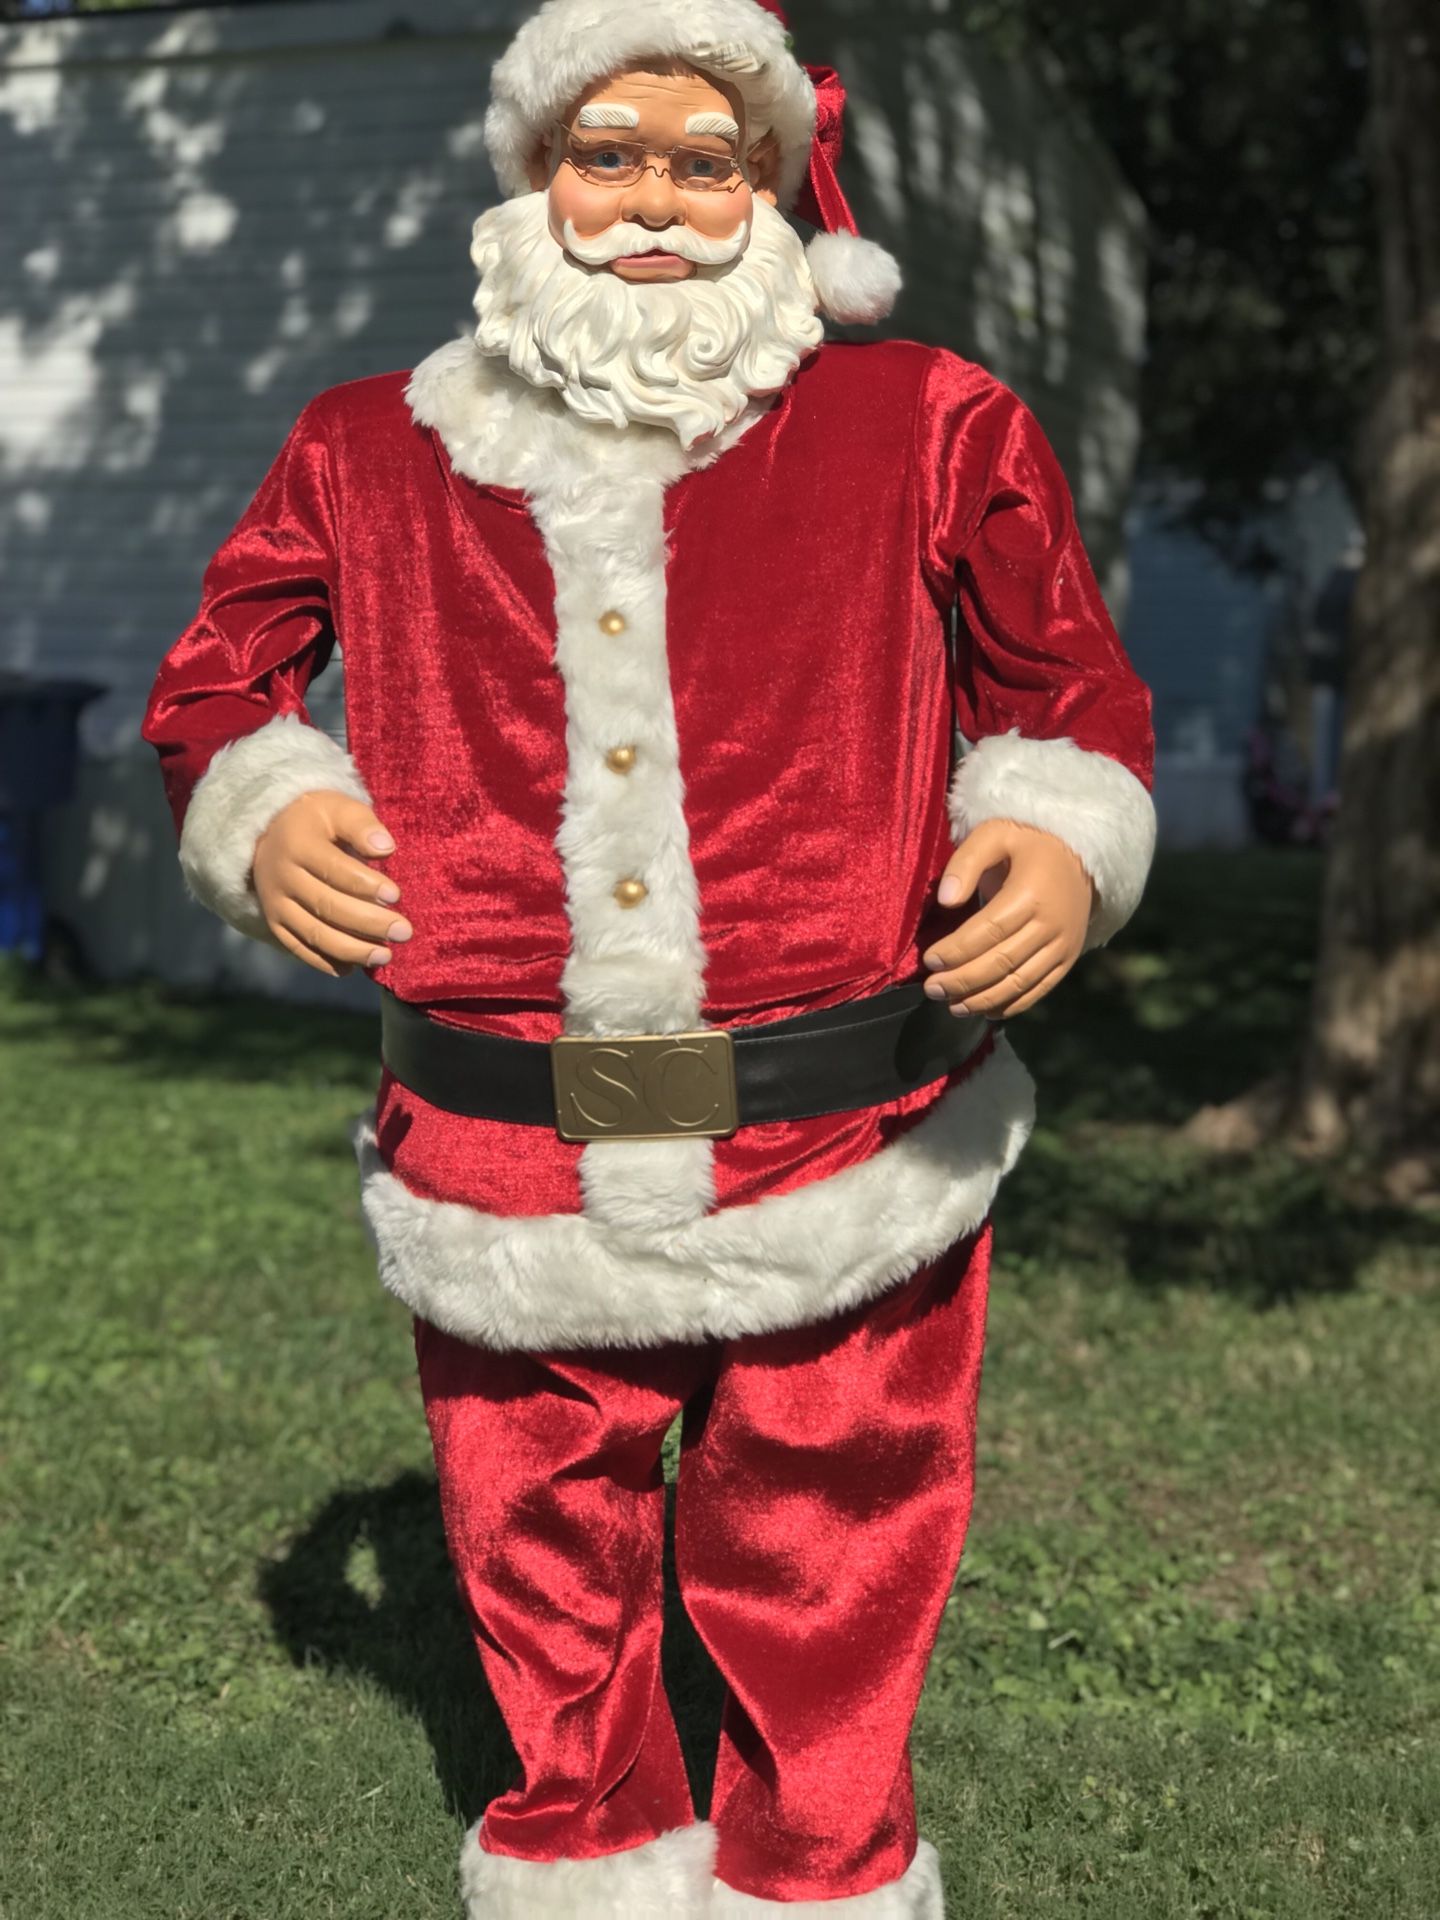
(367, 1589)
(1122, 1206)
(174, 1033)
(1204, 994)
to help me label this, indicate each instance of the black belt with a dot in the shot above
(703, 1083)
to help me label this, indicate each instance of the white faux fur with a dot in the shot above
(637, 969)
(570, 44)
(857, 281)
(668, 1879)
(564, 1280)
(1088, 800)
(246, 784)
(629, 969)
(646, 1260)
(917, 1895)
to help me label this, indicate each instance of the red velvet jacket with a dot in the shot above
(784, 674)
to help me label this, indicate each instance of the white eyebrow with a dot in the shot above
(720, 123)
(604, 115)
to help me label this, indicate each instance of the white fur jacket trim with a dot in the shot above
(572, 1280)
(1091, 802)
(628, 970)
(649, 1259)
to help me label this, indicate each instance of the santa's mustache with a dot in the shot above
(624, 240)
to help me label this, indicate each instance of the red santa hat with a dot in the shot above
(570, 44)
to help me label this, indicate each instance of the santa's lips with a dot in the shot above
(656, 257)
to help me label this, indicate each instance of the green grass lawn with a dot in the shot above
(1191, 1665)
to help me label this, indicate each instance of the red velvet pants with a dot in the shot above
(824, 1491)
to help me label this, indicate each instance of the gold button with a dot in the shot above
(612, 622)
(620, 759)
(631, 892)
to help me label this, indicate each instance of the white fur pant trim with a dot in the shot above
(668, 1879)
(917, 1895)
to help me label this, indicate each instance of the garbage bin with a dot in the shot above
(39, 749)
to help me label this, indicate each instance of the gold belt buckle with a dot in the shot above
(645, 1086)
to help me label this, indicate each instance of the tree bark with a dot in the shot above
(1370, 1075)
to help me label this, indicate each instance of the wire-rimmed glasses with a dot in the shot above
(617, 162)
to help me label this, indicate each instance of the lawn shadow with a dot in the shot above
(178, 1033)
(1264, 1228)
(1204, 996)
(367, 1589)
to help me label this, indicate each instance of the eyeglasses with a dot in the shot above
(620, 163)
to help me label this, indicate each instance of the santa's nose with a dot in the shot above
(653, 201)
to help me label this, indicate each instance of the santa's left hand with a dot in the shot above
(1028, 930)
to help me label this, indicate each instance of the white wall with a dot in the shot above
(210, 216)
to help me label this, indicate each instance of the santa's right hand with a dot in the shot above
(321, 901)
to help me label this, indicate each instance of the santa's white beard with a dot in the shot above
(688, 355)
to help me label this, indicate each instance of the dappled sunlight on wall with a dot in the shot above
(1023, 247)
(212, 215)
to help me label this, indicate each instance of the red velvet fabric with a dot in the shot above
(824, 1492)
(822, 199)
(813, 572)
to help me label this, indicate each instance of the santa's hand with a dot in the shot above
(321, 903)
(1028, 930)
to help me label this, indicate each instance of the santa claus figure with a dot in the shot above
(659, 620)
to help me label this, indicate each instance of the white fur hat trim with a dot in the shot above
(570, 44)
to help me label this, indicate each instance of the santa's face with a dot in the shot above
(649, 278)
(651, 175)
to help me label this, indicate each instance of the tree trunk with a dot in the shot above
(1370, 1077)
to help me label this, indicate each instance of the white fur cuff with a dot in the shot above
(1091, 802)
(917, 1895)
(669, 1879)
(247, 783)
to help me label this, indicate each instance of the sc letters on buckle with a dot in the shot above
(645, 1086)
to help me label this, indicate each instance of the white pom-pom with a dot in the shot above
(857, 281)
